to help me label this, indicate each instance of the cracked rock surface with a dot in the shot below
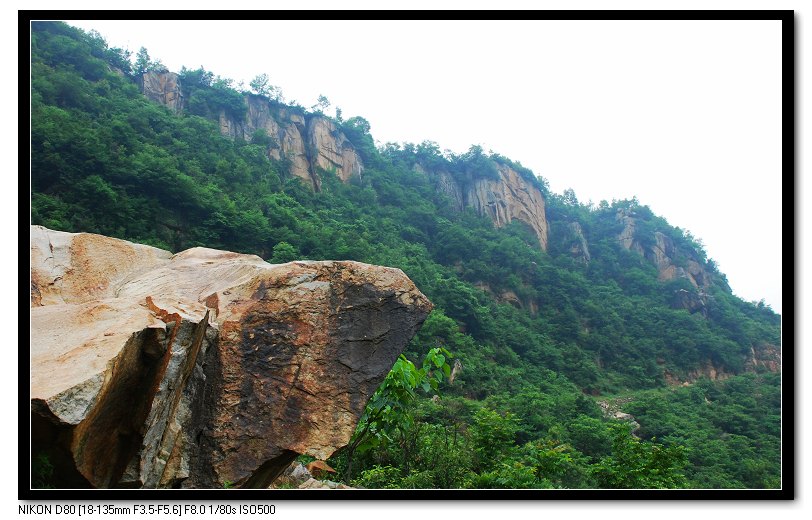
(205, 367)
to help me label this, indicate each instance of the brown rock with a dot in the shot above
(509, 198)
(579, 249)
(663, 254)
(319, 468)
(332, 151)
(204, 367)
(163, 87)
(304, 143)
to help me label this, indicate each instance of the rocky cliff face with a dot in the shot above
(205, 367)
(671, 263)
(579, 248)
(508, 198)
(762, 358)
(305, 142)
(331, 150)
(163, 88)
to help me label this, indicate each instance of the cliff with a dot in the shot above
(672, 262)
(163, 88)
(663, 253)
(762, 358)
(505, 198)
(206, 367)
(306, 142)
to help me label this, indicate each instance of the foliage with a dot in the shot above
(387, 417)
(640, 465)
(42, 472)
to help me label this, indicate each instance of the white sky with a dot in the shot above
(686, 115)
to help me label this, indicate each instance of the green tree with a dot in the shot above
(283, 253)
(493, 436)
(322, 104)
(387, 414)
(636, 464)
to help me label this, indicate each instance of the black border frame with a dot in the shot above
(789, 156)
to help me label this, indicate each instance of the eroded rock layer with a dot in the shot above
(305, 142)
(206, 367)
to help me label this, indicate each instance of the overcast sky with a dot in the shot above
(685, 115)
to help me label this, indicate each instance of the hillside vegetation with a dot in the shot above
(539, 376)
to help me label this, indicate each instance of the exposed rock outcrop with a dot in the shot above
(509, 198)
(670, 261)
(447, 185)
(692, 301)
(626, 236)
(611, 410)
(708, 370)
(305, 141)
(164, 88)
(579, 249)
(763, 357)
(204, 367)
(510, 297)
(332, 151)
(504, 199)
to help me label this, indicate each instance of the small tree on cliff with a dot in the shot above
(143, 63)
(321, 105)
(261, 86)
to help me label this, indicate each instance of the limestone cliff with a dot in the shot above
(192, 370)
(509, 198)
(306, 142)
(503, 199)
(332, 150)
(163, 88)
(671, 262)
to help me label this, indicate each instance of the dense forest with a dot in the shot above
(577, 366)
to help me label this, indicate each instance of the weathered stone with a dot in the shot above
(332, 151)
(206, 367)
(663, 254)
(692, 301)
(322, 484)
(509, 198)
(626, 236)
(293, 476)
(579, 249)
(448, 186)
(764, 357)
(304, 143)
(319, 468)
(164, 88)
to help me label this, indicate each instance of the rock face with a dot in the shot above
(332, 150)
(509, 198)
(763, 357)
(579, 249)
(626, 236)
(163, 88)
(504, 199)
(206, 367)
(663, 254)
(306, 142)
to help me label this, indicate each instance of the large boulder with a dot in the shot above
(206, 368)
